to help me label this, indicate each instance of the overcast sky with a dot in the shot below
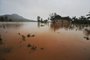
(32, 8)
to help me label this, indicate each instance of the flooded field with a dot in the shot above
(39, 41)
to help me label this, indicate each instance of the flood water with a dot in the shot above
(39, 41)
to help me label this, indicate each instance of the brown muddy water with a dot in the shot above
(39, 41)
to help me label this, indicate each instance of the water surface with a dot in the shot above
(39, 41)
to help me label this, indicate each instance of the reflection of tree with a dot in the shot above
(88, 16)
(67, 26)
(87, 34)
(64, 24)
(40, 24)
(61, 24)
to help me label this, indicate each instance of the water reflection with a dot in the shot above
(68, 26)
(40, 24)
(54, 26)
(4, 51)
(30, 42)
(87, 34)
(64, 25)
(5, 25)
(58, 25)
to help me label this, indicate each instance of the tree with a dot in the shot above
(82, 18)
(88, 16)
(41, 20)
(54, 17)
(38, 18)
(74, 18)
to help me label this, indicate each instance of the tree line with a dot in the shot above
(54, 16)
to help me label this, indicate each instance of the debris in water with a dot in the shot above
(23, 37)
(41, 48)
(19, 34)
(33, 35)
(29, 45)
(28, 35)
(87, 38)
(33, 47)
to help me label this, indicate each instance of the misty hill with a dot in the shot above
(14, 18)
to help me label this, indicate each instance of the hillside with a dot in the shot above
(14, 18)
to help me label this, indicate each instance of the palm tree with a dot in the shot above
(88, 16)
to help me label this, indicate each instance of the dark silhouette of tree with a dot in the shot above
(88, 16)
(41, 20)
(57, 17)
(82, 18)
(54, 17)
(38, 18)
(45, 21)
(66, 18)
(74, 18)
